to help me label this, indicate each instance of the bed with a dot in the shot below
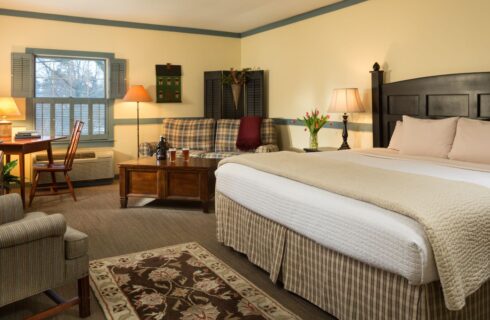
(351, 258)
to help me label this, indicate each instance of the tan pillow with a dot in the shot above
(471, 141)
(396, 137)
(426, 137)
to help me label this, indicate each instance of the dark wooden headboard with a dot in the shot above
(451, 95)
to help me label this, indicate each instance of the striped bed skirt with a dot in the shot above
(342, 286)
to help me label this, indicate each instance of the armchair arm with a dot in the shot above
(267, 148)
(11, 208)
(147, 149)
(27, 230)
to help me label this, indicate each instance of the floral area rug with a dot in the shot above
(178, 282)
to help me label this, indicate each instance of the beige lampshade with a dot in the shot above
(346, 100)
(137, 93)
(8, 107)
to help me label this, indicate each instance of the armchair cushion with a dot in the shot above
(76, 243)
(27, 230)
(11, 208)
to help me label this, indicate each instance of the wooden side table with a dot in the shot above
(192, 180)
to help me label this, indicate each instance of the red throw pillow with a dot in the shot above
(249, 133)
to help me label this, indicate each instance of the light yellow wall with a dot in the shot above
(409, 38)
(304, 61)
(143, 49)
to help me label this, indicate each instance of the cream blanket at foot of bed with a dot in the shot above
(455, 215)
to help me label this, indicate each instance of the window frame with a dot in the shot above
(90, 140)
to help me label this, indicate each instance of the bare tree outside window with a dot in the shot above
(58, 77)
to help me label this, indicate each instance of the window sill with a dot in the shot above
(86, 144)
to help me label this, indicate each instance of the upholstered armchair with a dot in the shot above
(39, 252)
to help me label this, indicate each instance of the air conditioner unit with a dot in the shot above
(96, 166)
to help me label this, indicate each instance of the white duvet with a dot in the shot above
(363, 231)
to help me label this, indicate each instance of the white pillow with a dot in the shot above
(472, 141)
(426, 137)
(396, 137)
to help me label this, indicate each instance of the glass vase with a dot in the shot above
(314, 140)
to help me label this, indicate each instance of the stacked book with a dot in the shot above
(28, 134)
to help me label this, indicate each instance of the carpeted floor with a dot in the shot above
(113, 231)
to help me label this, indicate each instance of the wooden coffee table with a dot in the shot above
(192, 180)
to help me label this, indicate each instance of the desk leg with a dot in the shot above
(22, 179)
(7, 160)
(49, 150)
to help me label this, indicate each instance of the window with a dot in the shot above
(67, 89)
(64, 86)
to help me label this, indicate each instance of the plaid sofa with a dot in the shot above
(208, 138)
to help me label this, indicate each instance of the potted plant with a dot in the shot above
(236, 79)
(8, 177)
(314, 122)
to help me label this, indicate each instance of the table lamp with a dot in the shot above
(8, 107)
(137, 93)
(345, 101)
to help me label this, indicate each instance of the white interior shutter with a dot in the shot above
(117, 88)
(22, 75)
(62, 119)
(98, 119)
(43, 118)
(81, 112)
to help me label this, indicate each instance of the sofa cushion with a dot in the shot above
(227, 134)
(76, 243)
(268, 132)
(220, 155)
(249, 134)
(196, 134)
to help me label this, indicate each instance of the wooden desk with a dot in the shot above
(21, 147)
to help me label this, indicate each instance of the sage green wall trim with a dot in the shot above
(72, 53)
(132, 121)
(302, 16)
(115, 23)
(353, 126)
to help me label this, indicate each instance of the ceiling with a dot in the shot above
(223, 15)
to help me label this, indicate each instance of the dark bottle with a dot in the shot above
(162, 149)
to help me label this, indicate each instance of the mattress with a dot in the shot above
(363, 231)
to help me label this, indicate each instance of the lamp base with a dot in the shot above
(345, 134)
(5, 129)
(344, 146)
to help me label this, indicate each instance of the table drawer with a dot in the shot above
(183, 184)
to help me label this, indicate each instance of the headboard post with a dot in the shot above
(376, 85)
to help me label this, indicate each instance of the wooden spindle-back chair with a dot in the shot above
(52, 168)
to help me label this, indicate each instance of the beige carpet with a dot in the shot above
(113, 231)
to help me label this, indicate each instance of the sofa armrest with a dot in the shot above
(27, 230)
(267, 148)
(147, 149)
(11, 208)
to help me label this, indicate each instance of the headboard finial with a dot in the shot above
(376, 66)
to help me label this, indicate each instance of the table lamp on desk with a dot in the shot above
(8, 107)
